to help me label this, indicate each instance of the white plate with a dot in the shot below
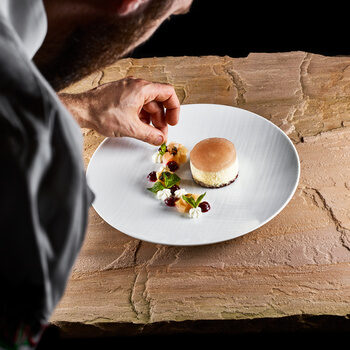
(268, 176)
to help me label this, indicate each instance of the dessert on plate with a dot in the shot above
(192, 204)
(167, 189)
(175, 153)
(167, 184)
(171, 155)
(214, 162)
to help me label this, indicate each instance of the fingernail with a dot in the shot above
(159, 140)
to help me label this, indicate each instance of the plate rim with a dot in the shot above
(135, 236)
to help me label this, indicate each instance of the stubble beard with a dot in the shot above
(96, 45)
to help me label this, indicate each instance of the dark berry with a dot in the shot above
(174, 188)
(174, 151)
(152, 176)
(170, 201)
(204, 207)
(172, 165)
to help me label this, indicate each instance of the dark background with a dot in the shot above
(224, 27)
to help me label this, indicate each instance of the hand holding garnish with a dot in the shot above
(128, 107)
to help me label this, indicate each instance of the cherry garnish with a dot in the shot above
(174, 188)
(172, 165)
(152, 176)
(170, 201)
(204, 207)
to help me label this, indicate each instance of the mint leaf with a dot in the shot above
(199, 199)
(170, 179)
(190, 201)
(162, 149)
(158, 186)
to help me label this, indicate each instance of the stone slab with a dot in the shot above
(297, 264)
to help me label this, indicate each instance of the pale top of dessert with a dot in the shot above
(213, 154)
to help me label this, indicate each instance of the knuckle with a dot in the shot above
(167, 86)
(148, 137)
(140, 81)
(139, 84)
(130, 80)
(133, 129)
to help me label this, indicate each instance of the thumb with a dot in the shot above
(149, 134)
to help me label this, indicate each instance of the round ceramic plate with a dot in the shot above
(268, 176)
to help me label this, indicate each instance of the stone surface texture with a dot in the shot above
(297, 264)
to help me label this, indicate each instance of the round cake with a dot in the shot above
(214, 162)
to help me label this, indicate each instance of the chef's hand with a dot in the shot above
(128, 107)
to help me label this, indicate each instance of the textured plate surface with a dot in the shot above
(269, 172)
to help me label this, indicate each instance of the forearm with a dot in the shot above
(78, 107)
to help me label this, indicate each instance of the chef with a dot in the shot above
(46, 45)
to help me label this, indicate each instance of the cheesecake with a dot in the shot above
(214, 162)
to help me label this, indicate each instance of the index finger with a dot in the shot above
(166, 94)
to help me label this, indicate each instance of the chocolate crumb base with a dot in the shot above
(207, 186)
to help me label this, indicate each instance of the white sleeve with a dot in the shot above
(28, 20)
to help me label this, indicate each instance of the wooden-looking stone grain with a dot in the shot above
(297, 264)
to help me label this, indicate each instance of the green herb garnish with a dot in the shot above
(162, 149)
(158, 186)
(190, 201)
(169, 179)
(199, 199)
(194, 203)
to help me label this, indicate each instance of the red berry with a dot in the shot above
(172, 165)
(204, 207)
(152, 176)
(170, 201)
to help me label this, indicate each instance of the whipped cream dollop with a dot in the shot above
(179, 193)
(195, 213)
(157, 158)
(163, 194)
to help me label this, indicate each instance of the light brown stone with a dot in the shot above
(297, 264)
